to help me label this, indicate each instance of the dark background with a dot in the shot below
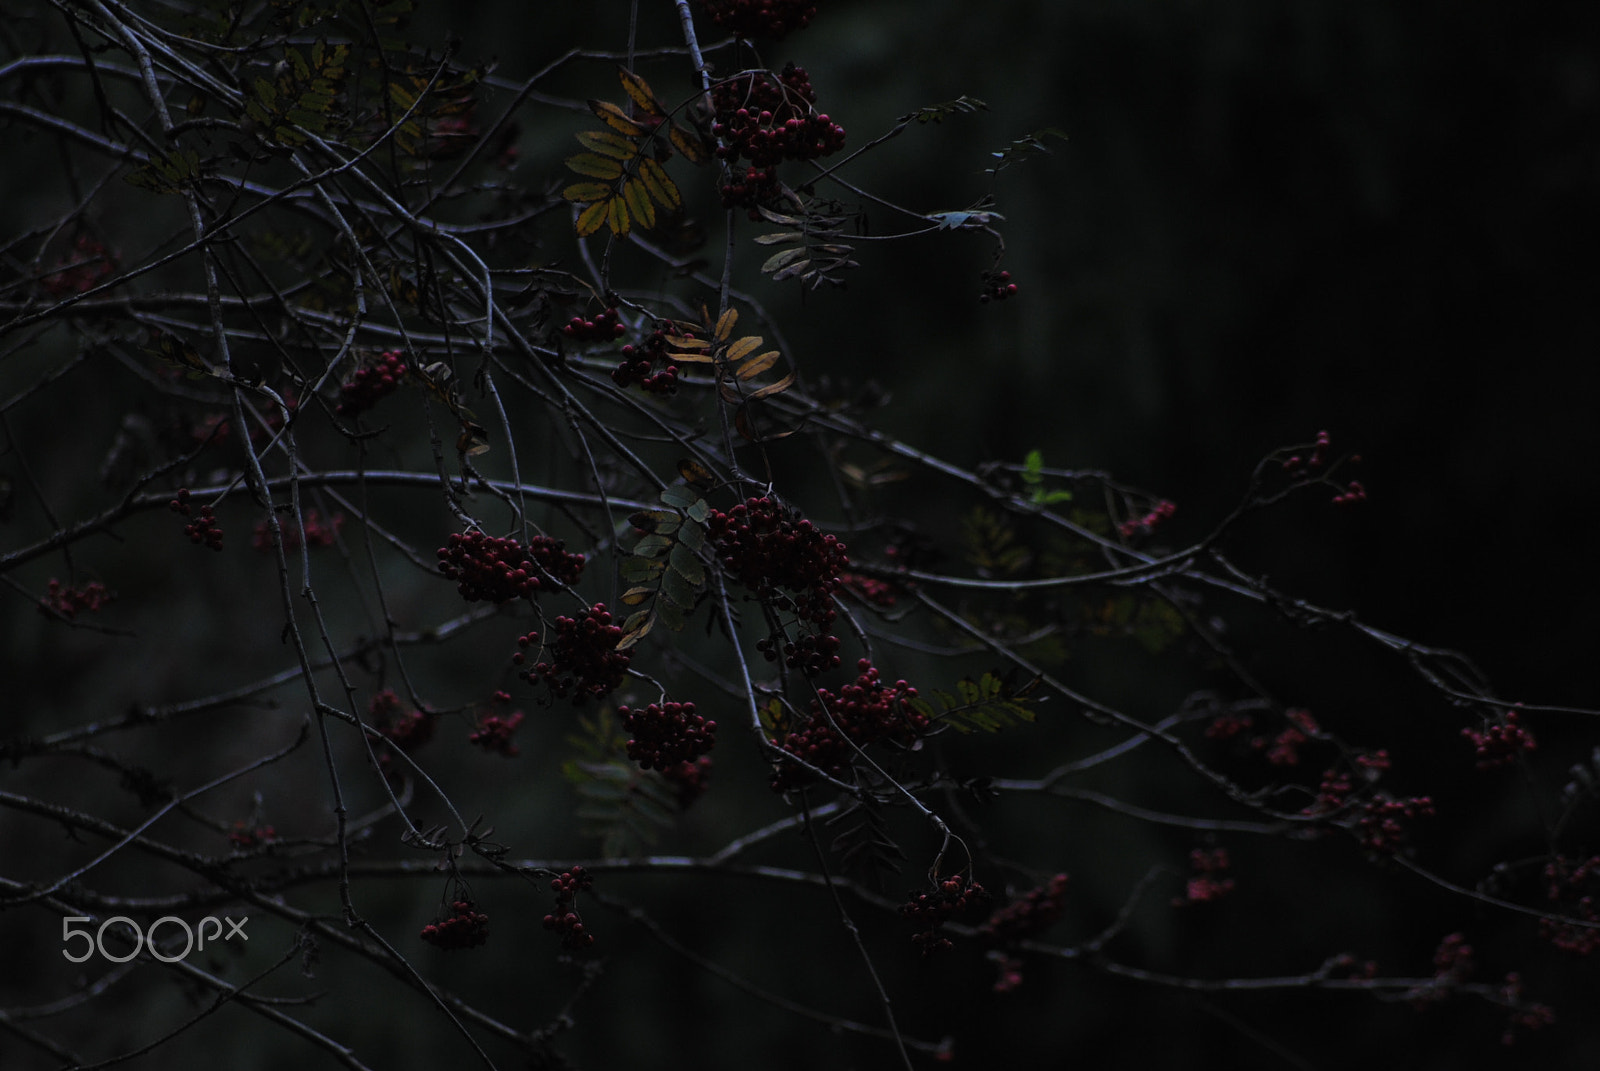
(1268, 219)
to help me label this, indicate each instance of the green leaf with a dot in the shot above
(986, 705)
(654, 545)
(636, 627)
(962, 105)
(670, 615)
(1024, 147)
(640, 570)
(680, 495)
(684, 562)
(676, 587)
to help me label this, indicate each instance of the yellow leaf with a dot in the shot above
(638, 91)
(660, 185)
(687, 343)
(637, 632)
(692, 145)
(725, 324)
(617, 217)
(696, 475)
(639, 203)
(616, 118)
(744, 347)
(774, 388)
(591, 219)
(595, 165)
(756, 365)
(635, 596)
(175, 351)
(608, 144)
(584, 192)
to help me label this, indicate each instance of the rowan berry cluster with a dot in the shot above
(1284, 749)
(90, 264)
(767, 119)
(690, 779)
(930, 910)
(639, 362)
(997, 286)
(809, 652)
(1452, 965)
(1203, 884)
(499, 568)
(1383, 821)
(1374, 762)
(406, 730)
(244, 835)
(1574, 889)
(494, 733)
(766, 547)
(1353, 493)
(666, 735)
(1452, 960)
(66, 601)
(761, 18)
(564, 919)
(315, 533)
(402, 730)
(466, 927)
(1228, 725)
(1319, 456)
(202, 529)
(1332, 792)
(583, 656)
(1149, 522)
(1032, 912)
(1499, 745)
(1010, 976)
(1522, 1016)
(863, 713)
(603, 328)
(372, 383)
(869, 589)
